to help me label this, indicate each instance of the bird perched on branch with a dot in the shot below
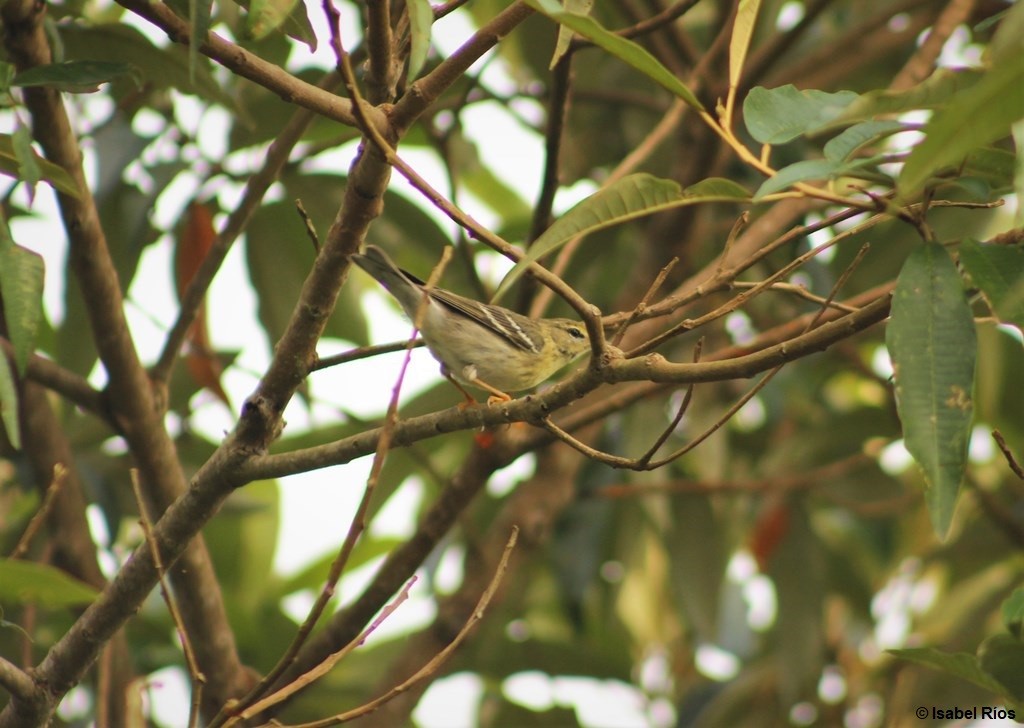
(479, 344)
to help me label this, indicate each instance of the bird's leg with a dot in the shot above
(470, 401)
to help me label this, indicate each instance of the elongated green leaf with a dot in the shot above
(578, 7)
(933, 345)
(622, 48)
(840, 147)
(817, 169)
(21, 285)
(9, 403)
(76, 76)
(958, 664)
(698, 559)
(932, 93)
(779, 115)
(10, 164)
(278, 269)
(632, 197)
(162, 67)
(421, 17)
(998, 270)
(798, 172)
(973, 119)
(26, 582)
(739, 44)
(28, 166)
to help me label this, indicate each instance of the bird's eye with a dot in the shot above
(575, 333)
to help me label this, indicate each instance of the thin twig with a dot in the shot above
(644, 462)
(311, 676)
(363, 352)
(307, 221)
(806, 479)
(642, 305)
(796, 290)
(1008, 454)
(59, 476)
(196, 675)
(439, 659)
(734, 303)
(76, 389)
(683, 407)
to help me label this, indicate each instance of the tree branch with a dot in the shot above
(243, 63)
(133, 404)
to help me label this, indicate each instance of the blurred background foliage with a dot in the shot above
(760, 579)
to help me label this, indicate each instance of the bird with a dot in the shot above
(479, 344)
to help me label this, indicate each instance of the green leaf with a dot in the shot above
(28, 168)
(1008, 40)
(798, 172)
(266, 16)
(998, 270)
(739, 44)
(26, 582)
(21, 285)
(578, 7)
(9, 404)
(817, 169)
(697, 558)
(421, 18)
(996, 167)
(366, 549)
(958, 664)
(199, 12)
(248, 524)
(779, 115)
(933, 345)
(7, 73)
(159, 67)
(797, 568)
(77, 76)
(1002, 657)
(1013, 613)
(932, 93)
(10, 164)
(279, 257)
(973, 119)
(625, 50)
(842, 146)
(632, 197)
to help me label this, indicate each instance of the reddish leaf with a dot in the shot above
(195, 238)
(769, 531)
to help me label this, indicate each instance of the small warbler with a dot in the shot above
(478, 344)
